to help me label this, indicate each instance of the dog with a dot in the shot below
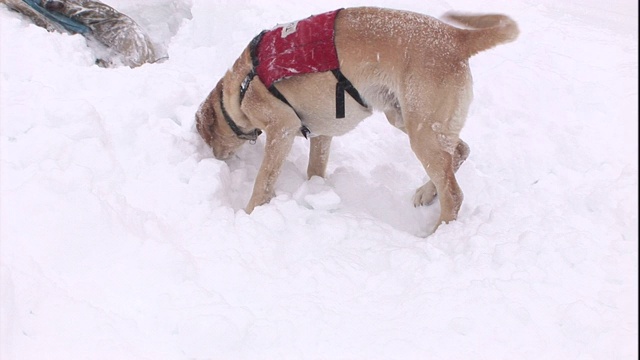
(412, 67)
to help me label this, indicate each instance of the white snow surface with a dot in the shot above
(123, 238)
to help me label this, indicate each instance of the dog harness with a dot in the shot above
(301, 47)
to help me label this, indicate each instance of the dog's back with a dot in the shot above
(390, 31)
(385, 48)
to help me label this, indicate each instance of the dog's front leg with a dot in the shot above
(318, 155)
(278, 146)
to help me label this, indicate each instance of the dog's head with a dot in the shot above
(214, 129)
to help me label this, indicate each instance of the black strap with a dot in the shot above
(345, 85)
(253, 51)
(251, 136)
(305, 131)
(245, 83)
(253, 48)
(275, 92)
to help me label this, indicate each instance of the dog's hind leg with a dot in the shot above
(318, 155)
(433, 124)
(426, 194)
(438, 159)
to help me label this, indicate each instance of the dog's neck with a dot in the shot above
(251, 136)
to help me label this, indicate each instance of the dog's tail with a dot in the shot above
(483, 32)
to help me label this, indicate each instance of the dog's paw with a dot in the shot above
(425, 195)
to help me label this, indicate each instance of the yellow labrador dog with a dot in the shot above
(321, 76)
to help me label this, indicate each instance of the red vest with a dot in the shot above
(300, 47)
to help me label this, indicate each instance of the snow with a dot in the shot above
(123, 238)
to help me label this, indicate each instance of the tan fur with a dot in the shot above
(412, 67)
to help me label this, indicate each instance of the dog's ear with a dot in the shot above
(213, 129)
(206, 118)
